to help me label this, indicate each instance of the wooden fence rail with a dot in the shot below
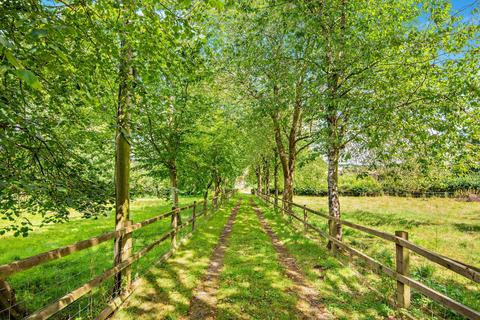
(402, 245)
(46, 312)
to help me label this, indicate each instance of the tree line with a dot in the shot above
(198, 93)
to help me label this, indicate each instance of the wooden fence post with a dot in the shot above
(402, 262)
(305, 217)
(174, 227)
(194, 215)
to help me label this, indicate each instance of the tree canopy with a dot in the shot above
(195, 94)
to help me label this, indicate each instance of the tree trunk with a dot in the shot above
(267, 176)
(336, 129)
(174, 188)
(174, 185)
(8, 303)
(288, 190)
(218, 186)
(335, 229)
(275, 179)
(258, 173)
(122, 246)
(288, 155)
(205, 196)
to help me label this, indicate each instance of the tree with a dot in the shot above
(54, 123)
(126, 74)
(361, 54)
(172, 104)
(271, 70)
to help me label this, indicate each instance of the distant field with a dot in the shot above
(447, 226)
(43, 284)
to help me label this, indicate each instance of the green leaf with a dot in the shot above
(217, 4)
(29, 78)
(14, 61)
(5, 42)
(39, 33)
(59, 53)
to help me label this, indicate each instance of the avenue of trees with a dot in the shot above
(103, 99)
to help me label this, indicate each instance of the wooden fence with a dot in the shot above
(126, 260)
(402, 246)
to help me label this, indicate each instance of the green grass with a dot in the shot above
(344, 291)
(447, 226)
(166, 289)
(43, 284)
(252, 284)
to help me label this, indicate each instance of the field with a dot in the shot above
(40, 285)
(251, 282)
(450, 227)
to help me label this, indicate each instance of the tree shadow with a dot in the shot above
(345, 293)
(464, 227)
(253, 284)
(167, 288)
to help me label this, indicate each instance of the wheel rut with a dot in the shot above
(204, 300)
(309, 303)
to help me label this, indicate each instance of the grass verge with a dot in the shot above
(345, 290)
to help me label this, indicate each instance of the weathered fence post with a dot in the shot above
(305, 217)
(194, 215)
(402, 262)
(174, 227)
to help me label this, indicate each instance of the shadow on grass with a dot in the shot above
(377, 219)
(166, 288)
(464, 227)
(253, 284)
(344, 293)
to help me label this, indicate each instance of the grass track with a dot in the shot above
(166, 290)
(252, 283)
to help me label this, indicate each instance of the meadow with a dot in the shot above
(43, 284)
(447, 226)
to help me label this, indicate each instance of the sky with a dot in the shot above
(466, 7)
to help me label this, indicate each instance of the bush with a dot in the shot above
(461, 183)
(359, 185)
